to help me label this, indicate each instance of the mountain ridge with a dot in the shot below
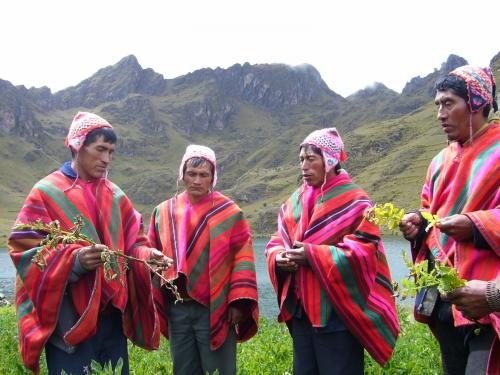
(249, 114)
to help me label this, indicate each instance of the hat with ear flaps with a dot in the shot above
(481, 86)
(329, 142)
(198, 151)
(83, 123)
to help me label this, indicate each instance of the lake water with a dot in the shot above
(267, 297)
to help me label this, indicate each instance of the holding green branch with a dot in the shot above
(113, 262)
(421, 276)
(461, 188)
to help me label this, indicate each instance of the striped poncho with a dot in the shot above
(347, 269)
(39, 293)
(211, 245)
(466, 180)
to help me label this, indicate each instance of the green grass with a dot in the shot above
(269, 352)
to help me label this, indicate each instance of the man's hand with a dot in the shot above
(283, 263)
(470, 299)
(457, 226)
(90, 256)
(297, 254)
(410, 225)
(163, 262)
(234, 315)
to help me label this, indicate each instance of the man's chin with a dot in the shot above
(451, 138)
(97, 176)
(197, 193)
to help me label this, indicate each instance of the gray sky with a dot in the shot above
(352, 43)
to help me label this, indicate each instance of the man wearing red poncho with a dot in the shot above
(462, 189)
(209, 240)
(68, 307)
(328, 267)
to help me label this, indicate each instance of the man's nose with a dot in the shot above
(106, 158)
(441, 113)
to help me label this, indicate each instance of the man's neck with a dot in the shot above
(74, 166)
(195, 199)
(479, 122)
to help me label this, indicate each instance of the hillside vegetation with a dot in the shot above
(253, 116)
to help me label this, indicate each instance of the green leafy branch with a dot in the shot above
(389, 216)
(385, 215)
(113, 261)
(444, 277)
(432, 220)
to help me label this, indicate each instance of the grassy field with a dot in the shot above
(269, 352)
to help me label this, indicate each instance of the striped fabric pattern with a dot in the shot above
(220, 265)
(347, 271)
(39, 293)
(466, 180)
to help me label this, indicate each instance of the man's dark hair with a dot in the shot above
(312, 148)
(197, 162)
(459, 87)
(107, 134)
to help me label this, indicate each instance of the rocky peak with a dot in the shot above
(425, 86)
(42, 97)
(112, 83)
(130, 63)
(16, 113)
(273, 86)
(452, 63)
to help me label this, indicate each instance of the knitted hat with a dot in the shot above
(197, 151)
(480, 86)
(83, 123)
(329, 142)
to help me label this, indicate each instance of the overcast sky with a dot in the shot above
(352, 43)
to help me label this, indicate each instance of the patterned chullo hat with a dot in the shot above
(329, 142)
(83, 123)
(481, 86)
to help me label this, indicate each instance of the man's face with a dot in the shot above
(454, 115)
(94, 159)
(312, 167)
(198, 181)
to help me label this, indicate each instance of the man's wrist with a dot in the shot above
(493, 295)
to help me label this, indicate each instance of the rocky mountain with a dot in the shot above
(253, 116)
(17, 113)
(112, 83)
